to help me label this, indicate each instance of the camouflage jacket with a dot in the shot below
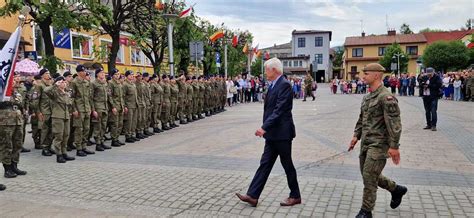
(379, 123)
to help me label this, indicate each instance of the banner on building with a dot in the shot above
(62, 39)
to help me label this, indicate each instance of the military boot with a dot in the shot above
(364, 214)
(106, 147)
(115, 143)
(98, 147)
(17, 171)
(129, 140)
(88, 152)
(156, 130)
(70, 147)
(24, 150)
(397, 196)
(139, 136)
(8, 171)
(2, 187)
(46, 152)
(60, 158)
(148, 133)
(68, 158)
(81, 153)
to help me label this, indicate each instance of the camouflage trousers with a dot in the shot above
(11, 138)
(372, 163)
(46, 132)
(61, 135)
(141, 118)
(36, 132)
(181, 110)
(81, 125)
(116, 124)
(99, 126)
(156, 113)
(149, 117)
(165, 112)
(131, 125)
(173, 112)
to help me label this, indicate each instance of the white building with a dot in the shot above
(316, 45)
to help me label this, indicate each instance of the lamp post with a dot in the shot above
(170, 18)
(398, 55)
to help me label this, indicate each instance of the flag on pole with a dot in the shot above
(8, 57)
(245, 49)
(186, 13)
(217, 35)
(235, 41)
(259, 52)
(267, 55)
(255, 50)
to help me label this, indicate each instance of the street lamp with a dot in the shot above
(170, 17)
(398, 55)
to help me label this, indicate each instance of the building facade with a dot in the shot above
(278, 51)
(316, 45)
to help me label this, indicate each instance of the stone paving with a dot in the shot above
(194, 170)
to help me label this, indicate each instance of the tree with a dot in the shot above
(469, 24)
(445, 56)
(56, 13)
(338, 60)
(427, 30)
(389, 57)
(114, 16)
(405, 29)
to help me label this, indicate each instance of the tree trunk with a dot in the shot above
(48, 46)
(114, 50)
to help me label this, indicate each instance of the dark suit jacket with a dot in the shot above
(277, 118)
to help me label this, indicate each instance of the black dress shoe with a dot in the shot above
(156, 130)
(46, 152)
(17, 171)
(60, 159)
(139, 136)
(68, 158)
(397, 196)
(136, 139)
(364, 214)
(129, 140)
(24, 150)
(427, 127)
(88, 152)
(81, 153)
(2, 187)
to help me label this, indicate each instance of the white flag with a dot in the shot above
(8, 57)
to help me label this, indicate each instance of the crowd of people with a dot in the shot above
(67, 111)
(355, 86)
(245, 89)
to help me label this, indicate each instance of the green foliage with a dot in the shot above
(445, 56)
(427, 30)
(471, 56)
(338, 60)
(256, 67)
(388, 58)
(405, 29)
(51, 63)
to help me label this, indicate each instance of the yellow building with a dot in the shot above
(362, 50)
(76, 47)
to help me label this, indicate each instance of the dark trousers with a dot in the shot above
(272, 150)
(431, 108)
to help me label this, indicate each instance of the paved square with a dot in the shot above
(194, 170)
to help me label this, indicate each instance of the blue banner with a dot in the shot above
(62, 39)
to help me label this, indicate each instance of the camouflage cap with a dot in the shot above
(376, 67)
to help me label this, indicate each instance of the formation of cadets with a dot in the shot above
(68, 111)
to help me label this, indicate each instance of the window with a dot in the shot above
(353, 69)
(301, 55)
(147, 60)
(39, 42)
(295, 63)
(318, 41)
(318, 58)
(357, 52)
(285, 63)
(105, 46)
(381, 51)
(136, 57)
(289, 63)
(301, 42)
(300, 63)
(81, 46)
(412, 50)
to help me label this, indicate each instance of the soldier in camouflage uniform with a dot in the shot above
(21, 89)
(195, 98)
(11, 134)
(117, 107)
(68, 77)
(189, 99)
(182, 98)
(36, 132)
(141, 106)
(166, 103)
(81, 107)
(202, 92)
(61, 104)
(379, 128)
(308, 86)
(131, 105)
(100, 109)
(208, 98)
(157, 98)
(470, 86)
(174, 102)
(148, 105)
(43, 104)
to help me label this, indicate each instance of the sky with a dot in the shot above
(271, 21)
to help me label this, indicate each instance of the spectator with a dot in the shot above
(446, 86)
(457, 88)
(404, 83)
(393, 83)
(411, 86)
(431, 84)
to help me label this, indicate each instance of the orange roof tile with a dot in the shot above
(446, 36)
(384, 39)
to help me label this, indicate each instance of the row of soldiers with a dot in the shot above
(67, 111)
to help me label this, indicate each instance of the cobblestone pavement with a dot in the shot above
(195, 170)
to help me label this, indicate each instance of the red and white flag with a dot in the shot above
(8, 58)
(255, 50)
(235, 41)
(186, 13)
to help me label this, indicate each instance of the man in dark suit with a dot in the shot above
(278, 130)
